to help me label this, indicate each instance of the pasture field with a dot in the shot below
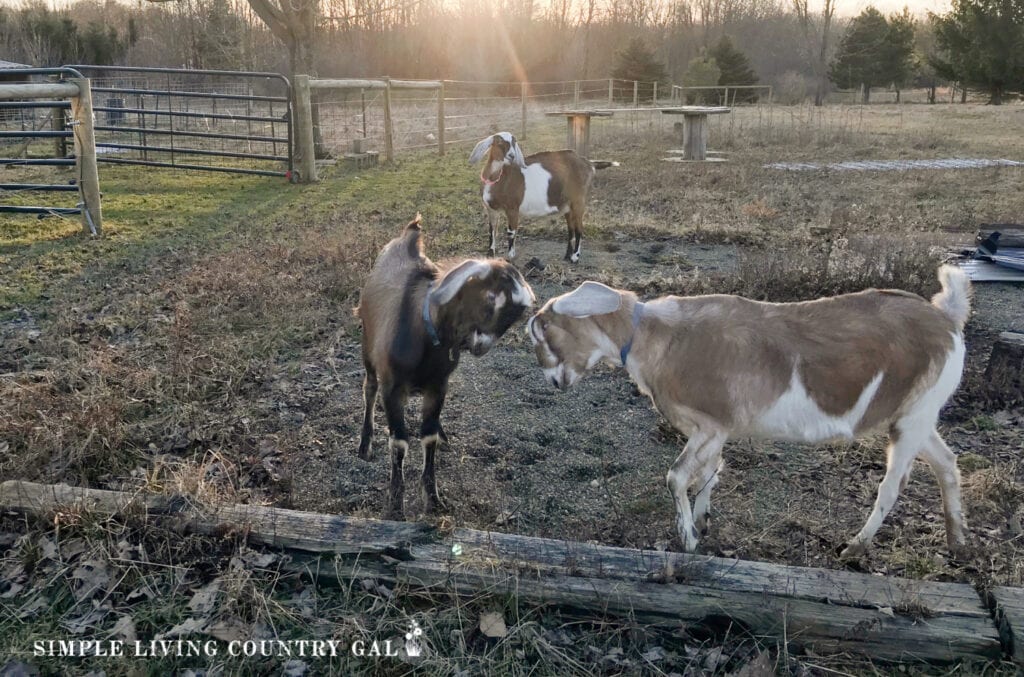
(206, 345)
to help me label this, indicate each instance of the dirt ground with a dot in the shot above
(589, 464)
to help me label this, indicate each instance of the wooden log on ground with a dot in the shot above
(1004, 376)
(1008, 606)
(828, 611)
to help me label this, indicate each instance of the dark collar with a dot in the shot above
(428, 324)
(638, 311)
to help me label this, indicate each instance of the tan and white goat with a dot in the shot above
(542, 184)
(724, 366)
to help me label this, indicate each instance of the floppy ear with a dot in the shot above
(478, 152)
(590, 298)
(517, 152)
(455, 278)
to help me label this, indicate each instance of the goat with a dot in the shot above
(724, 366)
(416, 321)
(542, 184)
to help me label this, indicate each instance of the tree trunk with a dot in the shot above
(897, 96)
(865, 93)
(996, 95)
(963, 94)
(931, 94)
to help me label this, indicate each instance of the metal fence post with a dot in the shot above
(389, 139)
(85, 153)
(522, 94)
(304, 129)
(440, 119)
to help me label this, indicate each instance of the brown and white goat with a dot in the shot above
(724, 366)
(416, 321)
(542, 184)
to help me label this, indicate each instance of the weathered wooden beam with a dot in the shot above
(1010, 235)
(829, 611)
(53, 90)
(1008, 606)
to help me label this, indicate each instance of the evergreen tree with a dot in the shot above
(636, 62)
(900, 60)
(702, 71)
(983, 45)
(861, 59)
(735, 69)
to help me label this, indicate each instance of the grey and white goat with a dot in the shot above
(416, 321)
(542, 184)
(724, 366)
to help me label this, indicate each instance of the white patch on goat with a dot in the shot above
(499, 301)
(923, 412)
(796, 417)
(481, 340)
(576, 254)
(535, 195)
(521, 295)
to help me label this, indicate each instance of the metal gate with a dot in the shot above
(209, 120)
(23, 124)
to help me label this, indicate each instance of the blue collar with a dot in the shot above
(638, 311)
(428, 324)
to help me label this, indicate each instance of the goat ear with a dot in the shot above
(478, 152)
(590, 298)
(455, 278)
(517, 152)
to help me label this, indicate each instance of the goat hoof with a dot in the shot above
(395, 514)
(854, 550)
(432, 504)
(703, 524)
(363, 454)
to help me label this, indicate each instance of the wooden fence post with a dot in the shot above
(440, 119)
(576, 94)
(654, 97)
(611, 91)
(522, 94)
(85, 152)
(636, 93)
(389, 139)
(304, 129)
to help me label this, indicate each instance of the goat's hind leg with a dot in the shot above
(513, 228)
(492, 224)
(903, 449)
(398, 443)
(369, 401)
(943, 464)
(575, 218)
(708, 480)
(430, 436)
(569, 243)
(701, 449)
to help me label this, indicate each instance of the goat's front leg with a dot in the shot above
(492, 225)
(902, 450)
(369, 401)
(943, 463)
(513, 227)
(701, 450)
(430, 435)
(398, 443)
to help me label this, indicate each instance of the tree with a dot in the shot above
(982, 45)
(816, 42)
(861, 59)
(636, 62)
(900, 59)
(701, 72)
(735, 69)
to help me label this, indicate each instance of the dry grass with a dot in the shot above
(207, 347)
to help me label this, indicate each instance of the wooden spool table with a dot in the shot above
(695, 128)
(578, 130)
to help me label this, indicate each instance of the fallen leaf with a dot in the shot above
(13, 668)
(294, 668)
(761, 666)
(124, 629)
(187, 627)
(92, 575)
(89, 621)
(229, 629)
(888, 611)
(205, 598)
(492, 624)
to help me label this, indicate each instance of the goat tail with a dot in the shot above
(955, 298)
(603, 164)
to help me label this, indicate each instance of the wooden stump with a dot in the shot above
(1005, 373)
(695, 137)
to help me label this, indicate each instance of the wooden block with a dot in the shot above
(1008, 604)
(1004, 375)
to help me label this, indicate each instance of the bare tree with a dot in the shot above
(816, 43)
